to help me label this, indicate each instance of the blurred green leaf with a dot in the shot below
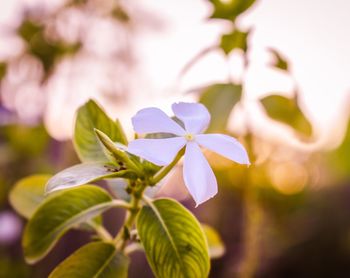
(3, 68)
(287, 111)
(216, 246)
(220, 99)
(81, 174)
(58, 214)
(121, 14)
(89, 117)
(96, 259)
(279, 61)
(339, 159)
(230, 9)
(173, 240)
(35, 143)
(234, 40)
(28, 194)
(42, 47)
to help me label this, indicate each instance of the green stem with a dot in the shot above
(133, 207)
(253, 221)
(121, 204)
(101, 231)
(123, 236)
(166, 169)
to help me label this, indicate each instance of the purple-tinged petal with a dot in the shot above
(199, 177)
(195, 116)
(154, 120)
(158, 151)
(224, 145)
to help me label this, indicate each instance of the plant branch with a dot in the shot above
(123, 235)
(121, 204)
(101, 231)
(166, 169)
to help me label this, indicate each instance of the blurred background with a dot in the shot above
(273, 73)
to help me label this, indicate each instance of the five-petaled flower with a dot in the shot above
(199, 177)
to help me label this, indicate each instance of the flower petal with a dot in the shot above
(153, 120)
(199, 177)
(224, 145)
(195, 116)
(157, 151)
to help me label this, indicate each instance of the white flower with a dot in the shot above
(199, 177)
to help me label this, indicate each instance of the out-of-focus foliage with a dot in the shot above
(42, 47)
(2, 70)
(216, 246)
(287, 111)
(230, 9)
(28, 193)
(220, 100)
(234, 40)
(339, 159)
(279, 61)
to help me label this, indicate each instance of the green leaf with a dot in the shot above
(287, 110)
(173, 240)
(216, 246)
(87, 146)
(28, 193)
(3, 69)
(96, 259)
(81, 174)
(58, 214)
(220, 99)
(279, 61)
(234, 40)
(339, 159)
(230, 9)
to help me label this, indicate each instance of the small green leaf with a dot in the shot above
(87, 146)
(279, 61)
(216, 246)
(173, 240)
(28, 194)
(287, 110)
(234, 40)
(117, 152)
(230, 9)
(220, 99)
(58, 214)
(96, 259)
(82, 174)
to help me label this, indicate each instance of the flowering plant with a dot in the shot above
(172, 238)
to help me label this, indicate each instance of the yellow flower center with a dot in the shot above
(189, 137)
